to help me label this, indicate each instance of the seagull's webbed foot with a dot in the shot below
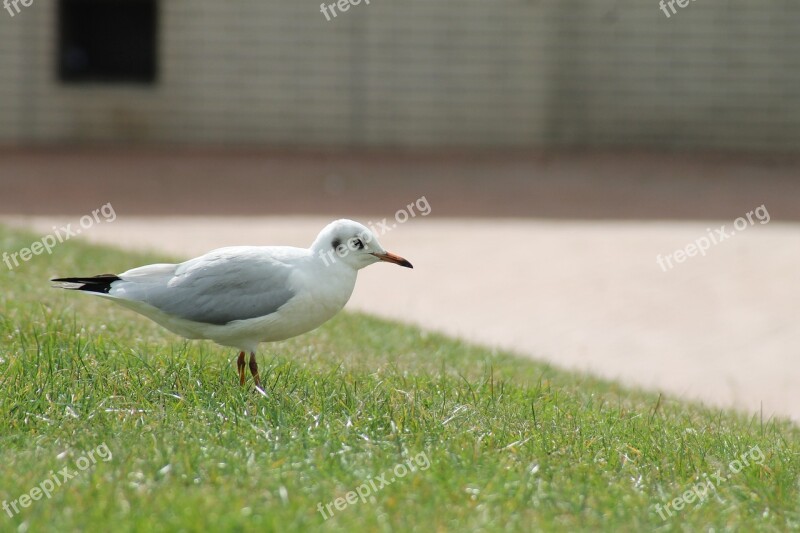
(253, 368)
(240, 366)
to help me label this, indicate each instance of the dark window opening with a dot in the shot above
(111, 41)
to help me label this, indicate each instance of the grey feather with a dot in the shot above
(228, 284)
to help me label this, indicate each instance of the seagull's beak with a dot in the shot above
(391, 258)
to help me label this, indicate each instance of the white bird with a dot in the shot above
(240, 296)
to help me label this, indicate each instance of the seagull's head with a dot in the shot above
(346, 241)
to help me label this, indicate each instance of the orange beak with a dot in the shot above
(391, 258)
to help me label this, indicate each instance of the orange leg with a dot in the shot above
(240, 366)
(253, 368)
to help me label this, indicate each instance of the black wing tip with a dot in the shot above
(101, 283)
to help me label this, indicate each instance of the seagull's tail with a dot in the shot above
(101, 283)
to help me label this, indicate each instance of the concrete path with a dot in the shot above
(586, 295)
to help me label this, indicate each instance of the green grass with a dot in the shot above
(510, 444)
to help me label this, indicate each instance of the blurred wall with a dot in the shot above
(717, 74)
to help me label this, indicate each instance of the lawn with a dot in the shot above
(110, 423)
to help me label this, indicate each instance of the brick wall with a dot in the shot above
(717, 74)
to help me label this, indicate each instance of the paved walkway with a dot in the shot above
(518, 251)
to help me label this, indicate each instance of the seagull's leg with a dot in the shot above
(240, 366)
(254, 369)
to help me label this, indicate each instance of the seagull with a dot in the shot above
(240, 296)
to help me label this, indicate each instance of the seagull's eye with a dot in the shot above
(357, 244)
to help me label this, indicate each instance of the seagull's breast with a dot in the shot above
(317, 301)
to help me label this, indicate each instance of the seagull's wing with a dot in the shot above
(228, 284)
